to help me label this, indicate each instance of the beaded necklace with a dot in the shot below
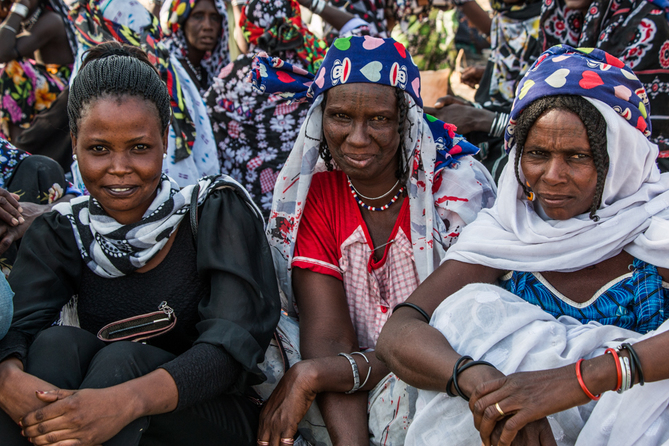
(373, 208)
(196, 71)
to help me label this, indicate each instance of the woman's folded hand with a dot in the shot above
(503, 407)
(288, 404)
(78, 417)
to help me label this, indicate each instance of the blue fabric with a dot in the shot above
(6, 306)
(588, 72)
(638, 303)
(349, 60)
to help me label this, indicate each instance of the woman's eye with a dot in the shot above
(97, 149)
(379, 118)
(340, 115)
(141, 147)
(581, 156)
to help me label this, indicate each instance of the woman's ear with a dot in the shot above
(165, 138)
(73, 137)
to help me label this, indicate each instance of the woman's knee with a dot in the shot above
(122, 361)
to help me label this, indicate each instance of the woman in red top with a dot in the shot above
(370, 198)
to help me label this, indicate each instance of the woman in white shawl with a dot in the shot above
(571, 219)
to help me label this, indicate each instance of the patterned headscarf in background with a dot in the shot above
(92, 29)
(276, 26)
(514, 35)
(174, 14)
(350, 60)
(587, 72)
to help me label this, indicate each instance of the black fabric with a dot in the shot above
(49, 133)
(72, 358)
(34, 179)
(237, 316)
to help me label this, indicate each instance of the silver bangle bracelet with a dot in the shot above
(356, 373)
(369, 367)
(20, 9)
(9, 28)
(318, 6)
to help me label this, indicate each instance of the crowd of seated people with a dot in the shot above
(288, 248)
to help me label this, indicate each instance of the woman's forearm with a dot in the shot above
(151, 394)
(8, 30)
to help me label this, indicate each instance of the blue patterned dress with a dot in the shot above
(637, 300)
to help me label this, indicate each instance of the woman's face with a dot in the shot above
(203, 26)
(558, 164)
(360, 124)
(119, 148)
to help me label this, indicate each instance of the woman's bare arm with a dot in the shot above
(418, 353)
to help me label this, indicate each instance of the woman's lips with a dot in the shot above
(120, 191)
(554, 200)
(358, 161)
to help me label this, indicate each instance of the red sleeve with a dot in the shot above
(317, 245)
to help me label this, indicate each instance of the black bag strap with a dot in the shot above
(193, 212)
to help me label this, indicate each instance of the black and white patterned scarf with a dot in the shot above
(111, 249)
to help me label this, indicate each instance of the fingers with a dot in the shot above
(482, 397)
(448, 100)
(49, 412)
(7, 241)
(546, 437)
(51, 396)
(47, 432)
(10, 209)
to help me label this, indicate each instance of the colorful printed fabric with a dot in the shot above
(446, 187)
(430, 37)
(350, 60)
(276, 26)
(371, 11)
(637, 301)
(9, 158)
(173, 15)
(588, 72)
(514, 35)
(254, 132)
(635, 31)
(93, 28)
(27, 88)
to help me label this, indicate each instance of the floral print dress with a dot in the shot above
(254, 132)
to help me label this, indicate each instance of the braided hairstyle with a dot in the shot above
(114, 70)
(403, 110)
(595, 126)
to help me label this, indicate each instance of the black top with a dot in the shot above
(218, 334)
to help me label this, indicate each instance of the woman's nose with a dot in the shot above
(555, 171)
(119, 164)
(359, 135)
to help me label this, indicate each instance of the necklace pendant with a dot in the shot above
(364, 205)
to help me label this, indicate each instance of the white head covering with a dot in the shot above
(512, 235)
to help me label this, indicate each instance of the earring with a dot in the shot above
(164, 155)
(74, 156)
(530, 196)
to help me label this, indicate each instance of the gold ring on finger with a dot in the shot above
(499, 409)
(287, 440)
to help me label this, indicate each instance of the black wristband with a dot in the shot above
(415, 307)
(635, 358)
(455, 373)
(462, 369)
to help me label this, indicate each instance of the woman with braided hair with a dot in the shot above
(372, 195)
(186, 273)
(577, 242)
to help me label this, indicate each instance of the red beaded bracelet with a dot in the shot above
(619, 369)
(582, 384)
